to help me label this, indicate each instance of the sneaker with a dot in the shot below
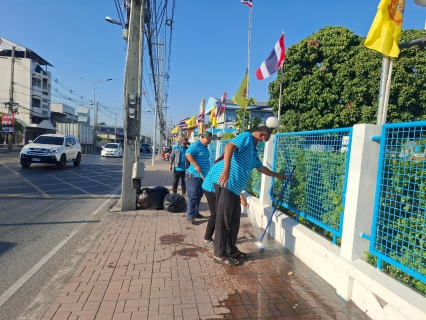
(199, 216)
(208, 244)
(195, 223)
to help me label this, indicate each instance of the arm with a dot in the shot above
(219, 159)
(243, 201)
(193, 162)
(229, 150)
(270, 173)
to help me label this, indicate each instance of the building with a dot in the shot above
(226, 121)
(83, 115)
(111, 134)
(31, 88)
(61, 112)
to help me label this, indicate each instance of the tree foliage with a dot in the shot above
(331, 80)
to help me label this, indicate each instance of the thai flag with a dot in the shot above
(222, 105)
(200, 118)
(182, 123)
(247, 2)
(273, 62)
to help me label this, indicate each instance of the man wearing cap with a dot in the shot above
(180, 163)
(199, 157)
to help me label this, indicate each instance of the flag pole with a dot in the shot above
(248, 70)
(279, 98)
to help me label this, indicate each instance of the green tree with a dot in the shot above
(102, 123)
(331, 80)
(228, 136)
(248, 122)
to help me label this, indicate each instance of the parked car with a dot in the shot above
(145, 147)
(112, 150)
(52, 149)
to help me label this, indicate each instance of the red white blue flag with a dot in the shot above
(200, 118)
(247, 2)
(182, 123)
(222, 105)
(273, 62)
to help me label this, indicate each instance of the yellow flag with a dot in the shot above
(191, 122)
(213, 118)
(240, 97)
(386, 29)
(176, 129)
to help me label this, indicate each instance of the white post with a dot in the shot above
(382, 90)
(268, 160)
(360, 192)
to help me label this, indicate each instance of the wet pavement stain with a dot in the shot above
(173, 238)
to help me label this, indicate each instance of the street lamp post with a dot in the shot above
(95, 106)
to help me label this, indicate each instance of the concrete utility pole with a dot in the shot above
(132, 168)
(11, 103)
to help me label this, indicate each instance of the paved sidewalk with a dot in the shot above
(152, 265)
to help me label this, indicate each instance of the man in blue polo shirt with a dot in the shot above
(227, 179)
(178, 160)
(199, 157)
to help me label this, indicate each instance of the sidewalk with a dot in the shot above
(152, 265)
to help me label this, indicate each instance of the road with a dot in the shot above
(45, 216)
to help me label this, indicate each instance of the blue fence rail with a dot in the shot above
(398, 234)
(316, 191)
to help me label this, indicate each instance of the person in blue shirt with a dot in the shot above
(226, 180)
(180, 163)
(199, 157)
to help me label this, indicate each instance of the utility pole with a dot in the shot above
(11, 104)
(132, 168)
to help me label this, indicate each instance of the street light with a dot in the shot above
(219, 134)
(272, 122)
(113, 21)
(421, 3)
(95, 120)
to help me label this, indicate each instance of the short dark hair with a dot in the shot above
(264, 129)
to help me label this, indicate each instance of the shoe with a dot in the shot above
(227, 261)
(195, 223)
(240, 256)
(208, 244)
(199, 216)
(185, 195)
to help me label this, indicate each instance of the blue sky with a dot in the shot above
(209, 44)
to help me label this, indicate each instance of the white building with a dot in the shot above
(31, 88)
(61, 112)
(83, 114)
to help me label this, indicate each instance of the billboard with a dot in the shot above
(7, 123)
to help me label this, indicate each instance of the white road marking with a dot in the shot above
(18, 284)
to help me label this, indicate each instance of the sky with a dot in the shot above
(209, 45)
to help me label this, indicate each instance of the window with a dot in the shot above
(36, 82)
(44, 84)
(45, 112)
(35, 103)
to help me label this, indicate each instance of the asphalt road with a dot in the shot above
(45, 216)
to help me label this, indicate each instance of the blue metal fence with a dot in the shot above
(255, 179)
(212, 149)
(398, 234)
(316, 191)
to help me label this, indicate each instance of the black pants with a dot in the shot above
(211, 200)
(228, 215)
(176, 176)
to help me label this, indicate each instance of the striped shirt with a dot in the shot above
(243, 161)
(202, 156)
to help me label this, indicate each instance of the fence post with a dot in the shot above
(217, 149)
(265, 183)
(360, 193)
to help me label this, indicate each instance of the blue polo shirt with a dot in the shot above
(201, 155)
(243, 161)
(181, 163)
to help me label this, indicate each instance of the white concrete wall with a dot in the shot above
(374, 292)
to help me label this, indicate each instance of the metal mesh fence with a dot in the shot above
(399, 222)
(316, 191)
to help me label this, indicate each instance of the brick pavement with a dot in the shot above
(152, 265)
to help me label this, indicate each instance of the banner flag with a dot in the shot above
(386, 29)
(240, 97)
(273, 62)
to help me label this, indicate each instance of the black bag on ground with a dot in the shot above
(174, 203)
(152, 199)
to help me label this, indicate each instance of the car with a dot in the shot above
(112, 150)
(55, 149)
(145, 147)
